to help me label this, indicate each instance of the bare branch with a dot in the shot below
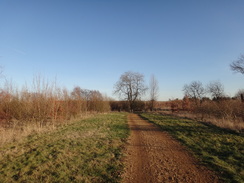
(131, 87)
(216, 89)
(194, 90)
(238, 65)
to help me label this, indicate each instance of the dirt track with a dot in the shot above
(154, 156)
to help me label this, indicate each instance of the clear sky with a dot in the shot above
(90, 43)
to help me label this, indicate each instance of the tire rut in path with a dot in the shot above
(152, 155)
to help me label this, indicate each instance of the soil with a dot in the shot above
(152, 156)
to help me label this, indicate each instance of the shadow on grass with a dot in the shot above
(220, 149)
(202, 127)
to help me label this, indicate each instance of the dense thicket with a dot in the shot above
(45, 103)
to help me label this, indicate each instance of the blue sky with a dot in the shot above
(90, 43)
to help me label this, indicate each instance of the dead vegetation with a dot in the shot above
(225, 112)
(44, 106)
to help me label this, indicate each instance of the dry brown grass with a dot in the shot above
(233, 124)
(19, 131)
(223, 112)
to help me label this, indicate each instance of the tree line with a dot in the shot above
(218, 105)
(45, 103)
(206, 101)
(211, 101)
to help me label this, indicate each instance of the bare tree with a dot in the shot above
(238, 65)
(216, 89)
(154, 91)
(77, 93)
(130, 87)
(194, 90)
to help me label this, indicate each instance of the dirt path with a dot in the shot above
(154, 156)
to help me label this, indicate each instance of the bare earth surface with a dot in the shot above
(154, 156)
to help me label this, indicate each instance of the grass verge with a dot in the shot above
(219, 149)
(85, 151)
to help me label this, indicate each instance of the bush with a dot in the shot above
(46, 103)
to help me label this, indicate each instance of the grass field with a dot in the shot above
(85, 151)
(219, 149)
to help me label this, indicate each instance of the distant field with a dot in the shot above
(85, 151)
(221, 150)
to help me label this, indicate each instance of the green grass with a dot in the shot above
(219, 149)
(85, 151)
